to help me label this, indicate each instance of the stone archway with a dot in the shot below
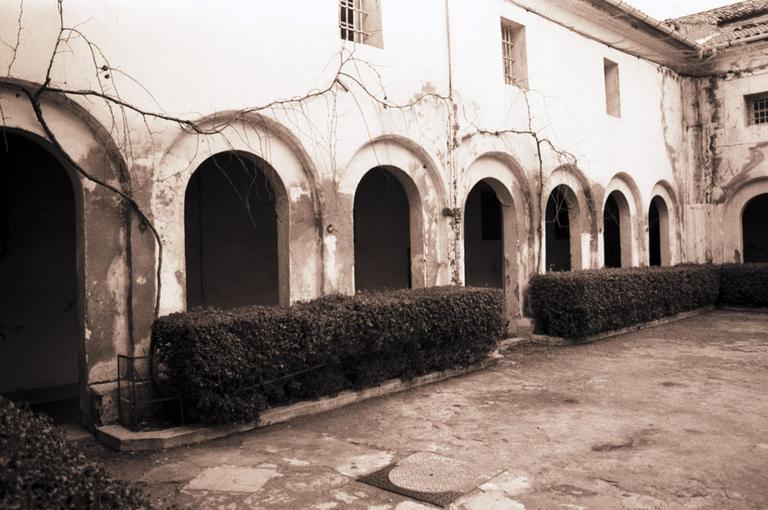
(572, 194)
(415, 171)
(110, 321)
(754, 219)
(498, 180)
(274, 151)
(733, 216)
(42, 350)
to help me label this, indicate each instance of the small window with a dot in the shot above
(612, 93)
(757, 109)
(513, 54)
(360, 22)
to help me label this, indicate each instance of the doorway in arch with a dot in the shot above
(483, 238)
(754, 219)
(234, 216)
(41, 340)
(382, 234)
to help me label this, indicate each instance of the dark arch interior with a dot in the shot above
(381, 232)
(612, 232)
(654, 233)
(483, 238)
(754, 221)
(558, 231)
(40, 338)
(230, 223)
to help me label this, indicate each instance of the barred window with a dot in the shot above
(351, 18)
(360, 22)
(508, 46)
(757, 105)
(513, 54)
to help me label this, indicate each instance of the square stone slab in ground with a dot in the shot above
(429, 477)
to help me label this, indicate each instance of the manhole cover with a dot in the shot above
(427, 477)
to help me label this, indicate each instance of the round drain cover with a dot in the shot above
(427, 472)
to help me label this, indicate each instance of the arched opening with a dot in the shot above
(562, 241)
(382, 233)
(235, 219)
(659, 252)
(483, 238)
(754, 220)
(617, 231)
(41, 339)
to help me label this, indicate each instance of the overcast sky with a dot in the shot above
(663, 9)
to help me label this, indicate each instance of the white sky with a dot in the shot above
(664, 9)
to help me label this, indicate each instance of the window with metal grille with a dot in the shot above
(757, 105)
(360, 22)
(351, 19)
(513, 54)
(508, 46)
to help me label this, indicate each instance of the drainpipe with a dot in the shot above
(455, 213)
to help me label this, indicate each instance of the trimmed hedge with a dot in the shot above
(744, 285)
(39, 469)
(583, 303)
(222, 362)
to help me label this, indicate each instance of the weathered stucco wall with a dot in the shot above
(726, 165)
(443, 123)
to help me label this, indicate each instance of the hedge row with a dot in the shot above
(582, 303)
(744, 285)
(39, 469)
(222, 362)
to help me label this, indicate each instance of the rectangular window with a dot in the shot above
(757, 108)
(360, 21)
(351, 20)
(513, 54)
(612, 93)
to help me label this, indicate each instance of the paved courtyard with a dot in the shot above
(671, 417)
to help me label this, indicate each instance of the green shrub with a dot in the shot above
(582, 303)
(38, 469)
(222, 362)
(744, 285)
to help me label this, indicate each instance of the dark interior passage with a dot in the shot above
(558, 231)
(483, 238)
(40, 337)
(755, 229)
(612, 232)
(381, 232)
(654, 233)
(231, 229)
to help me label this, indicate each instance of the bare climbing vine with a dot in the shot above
(346, 79)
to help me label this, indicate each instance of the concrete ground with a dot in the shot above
(671, 417)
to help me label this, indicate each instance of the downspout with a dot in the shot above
(454, 210)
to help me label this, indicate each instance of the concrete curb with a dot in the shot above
(510, 343)
(121, 439)
(731, 308)
(556, 340)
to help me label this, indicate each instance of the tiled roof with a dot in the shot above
(727, 13)
(729, 24)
